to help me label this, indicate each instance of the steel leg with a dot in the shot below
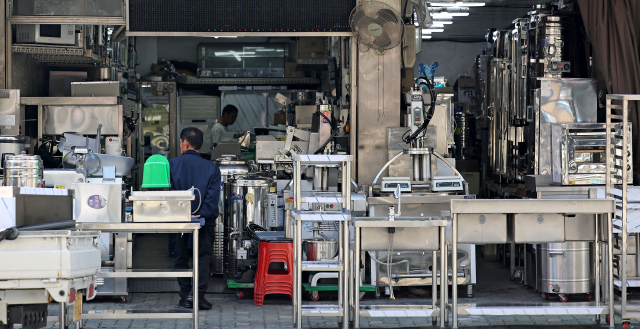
(596, 256)
(445, 277)
(512, 258)
(443, 273)
(454, 268)
(298, 279)
(356, 266)
(434, 285)
(196, 287)
(610, 270)
(346, 271)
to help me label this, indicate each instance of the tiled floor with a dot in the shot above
(494, 287)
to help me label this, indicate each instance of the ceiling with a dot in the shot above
(495, 14)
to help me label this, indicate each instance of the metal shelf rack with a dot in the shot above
(618, 142)
(343, 217)
(166, 227)
(60, 56)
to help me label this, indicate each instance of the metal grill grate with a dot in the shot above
(240, 16)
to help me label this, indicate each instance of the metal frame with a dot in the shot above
(534, 206)
(409, 310)
(238, 34)
(186, 227)
(616, 159)
(343, 217)
(42, 101)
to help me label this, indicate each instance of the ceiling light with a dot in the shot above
(432, 30)
(457, 4)
(426, 37)
(448, 15)
(437, 24)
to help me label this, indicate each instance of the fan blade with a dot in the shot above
(388, 15)
(382, 41)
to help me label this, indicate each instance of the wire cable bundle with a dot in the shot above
(423, 80)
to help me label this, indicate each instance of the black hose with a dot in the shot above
(427, 114)
(9, 234)
(333, 129)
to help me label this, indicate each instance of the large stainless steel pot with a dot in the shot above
(23, 171)
(246, 199)
(230, 167)
(13, 145)
(320, 249)
(564, 268)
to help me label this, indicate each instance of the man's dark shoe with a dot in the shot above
(185, 303)
(203, 304)
(204, 301)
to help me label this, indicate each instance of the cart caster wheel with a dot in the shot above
(123, 298)
(626, 325)
(587, 297)
(545, 296)
(314, 296)
(564, 298)
(239, 294)
(607, 319)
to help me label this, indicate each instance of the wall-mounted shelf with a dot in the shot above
(250, 81)
(60, 56)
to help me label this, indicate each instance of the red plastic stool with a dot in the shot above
(273, 282)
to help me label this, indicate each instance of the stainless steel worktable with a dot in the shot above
(183, 227)
(511, 207)
(399, 310)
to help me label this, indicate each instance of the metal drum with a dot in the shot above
(554, 46)
(23, 171)
(246, 199)
(230, 167)
(564, 268)
(13, 145)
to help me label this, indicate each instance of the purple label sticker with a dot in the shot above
(96, 202)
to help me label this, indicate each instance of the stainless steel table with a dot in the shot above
(184, 227)
(400, 310)
(487, 210)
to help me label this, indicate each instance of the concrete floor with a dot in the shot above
(228, 311)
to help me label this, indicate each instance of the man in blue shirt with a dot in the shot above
(191, 170)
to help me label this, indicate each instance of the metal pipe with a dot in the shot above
(317, 179)
(325, 179)
(417, 172)
(196, 287)
(596, 271)
(434, 285)
(426, 167)
(386, 166)
(443, 269)
(454, 266)
(356, 268)
(421, 275)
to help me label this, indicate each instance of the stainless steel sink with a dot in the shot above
(411, 233)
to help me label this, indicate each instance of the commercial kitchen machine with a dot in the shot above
(530, 221)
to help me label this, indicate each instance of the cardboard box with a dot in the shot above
(290, 70)
(312, 47)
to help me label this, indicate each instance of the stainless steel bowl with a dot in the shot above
(319, 249)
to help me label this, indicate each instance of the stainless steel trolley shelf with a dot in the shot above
(164, 227)
(517, 211)
(421, 226)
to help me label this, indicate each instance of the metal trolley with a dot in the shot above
(616, 188)
(343, 217)
(527, 221)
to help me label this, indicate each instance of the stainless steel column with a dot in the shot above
(297, 282)
(434, 285)
(195, 288)
(443, 273)
(356, 299)
(596, 256)
(417, 168)
(426, 167)
(610, 266)
(62, 318)
(454, 268)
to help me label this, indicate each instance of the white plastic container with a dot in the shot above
(50, 254)
(112, 146)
